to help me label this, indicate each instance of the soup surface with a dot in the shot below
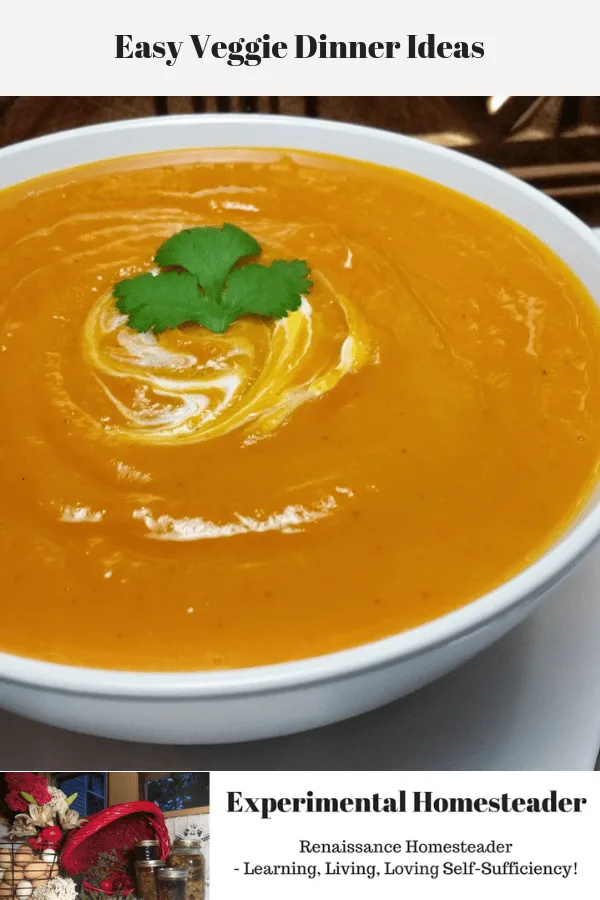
(415, 434)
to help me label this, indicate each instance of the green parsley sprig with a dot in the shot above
(206, 277)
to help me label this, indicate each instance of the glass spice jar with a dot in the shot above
(172, 884)
(145, 875)
(187, 854)
(146, 850)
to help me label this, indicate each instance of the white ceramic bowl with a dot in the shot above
(241, 705)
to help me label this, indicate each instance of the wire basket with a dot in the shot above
(24, 869)
(103, 846)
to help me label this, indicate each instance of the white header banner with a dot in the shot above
(146, 47)
(392, 834)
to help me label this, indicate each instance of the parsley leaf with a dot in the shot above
(271, 290)
(209, 290)
(209, 253)
(157, 302)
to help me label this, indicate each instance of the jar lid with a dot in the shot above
(147, 844)
(173, 874)
(187, 842)
(178, 850)
(149, 863)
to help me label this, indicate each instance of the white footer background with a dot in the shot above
(565, 840)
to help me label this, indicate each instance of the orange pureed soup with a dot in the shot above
(419, 431)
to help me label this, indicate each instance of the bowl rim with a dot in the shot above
(450, 628)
